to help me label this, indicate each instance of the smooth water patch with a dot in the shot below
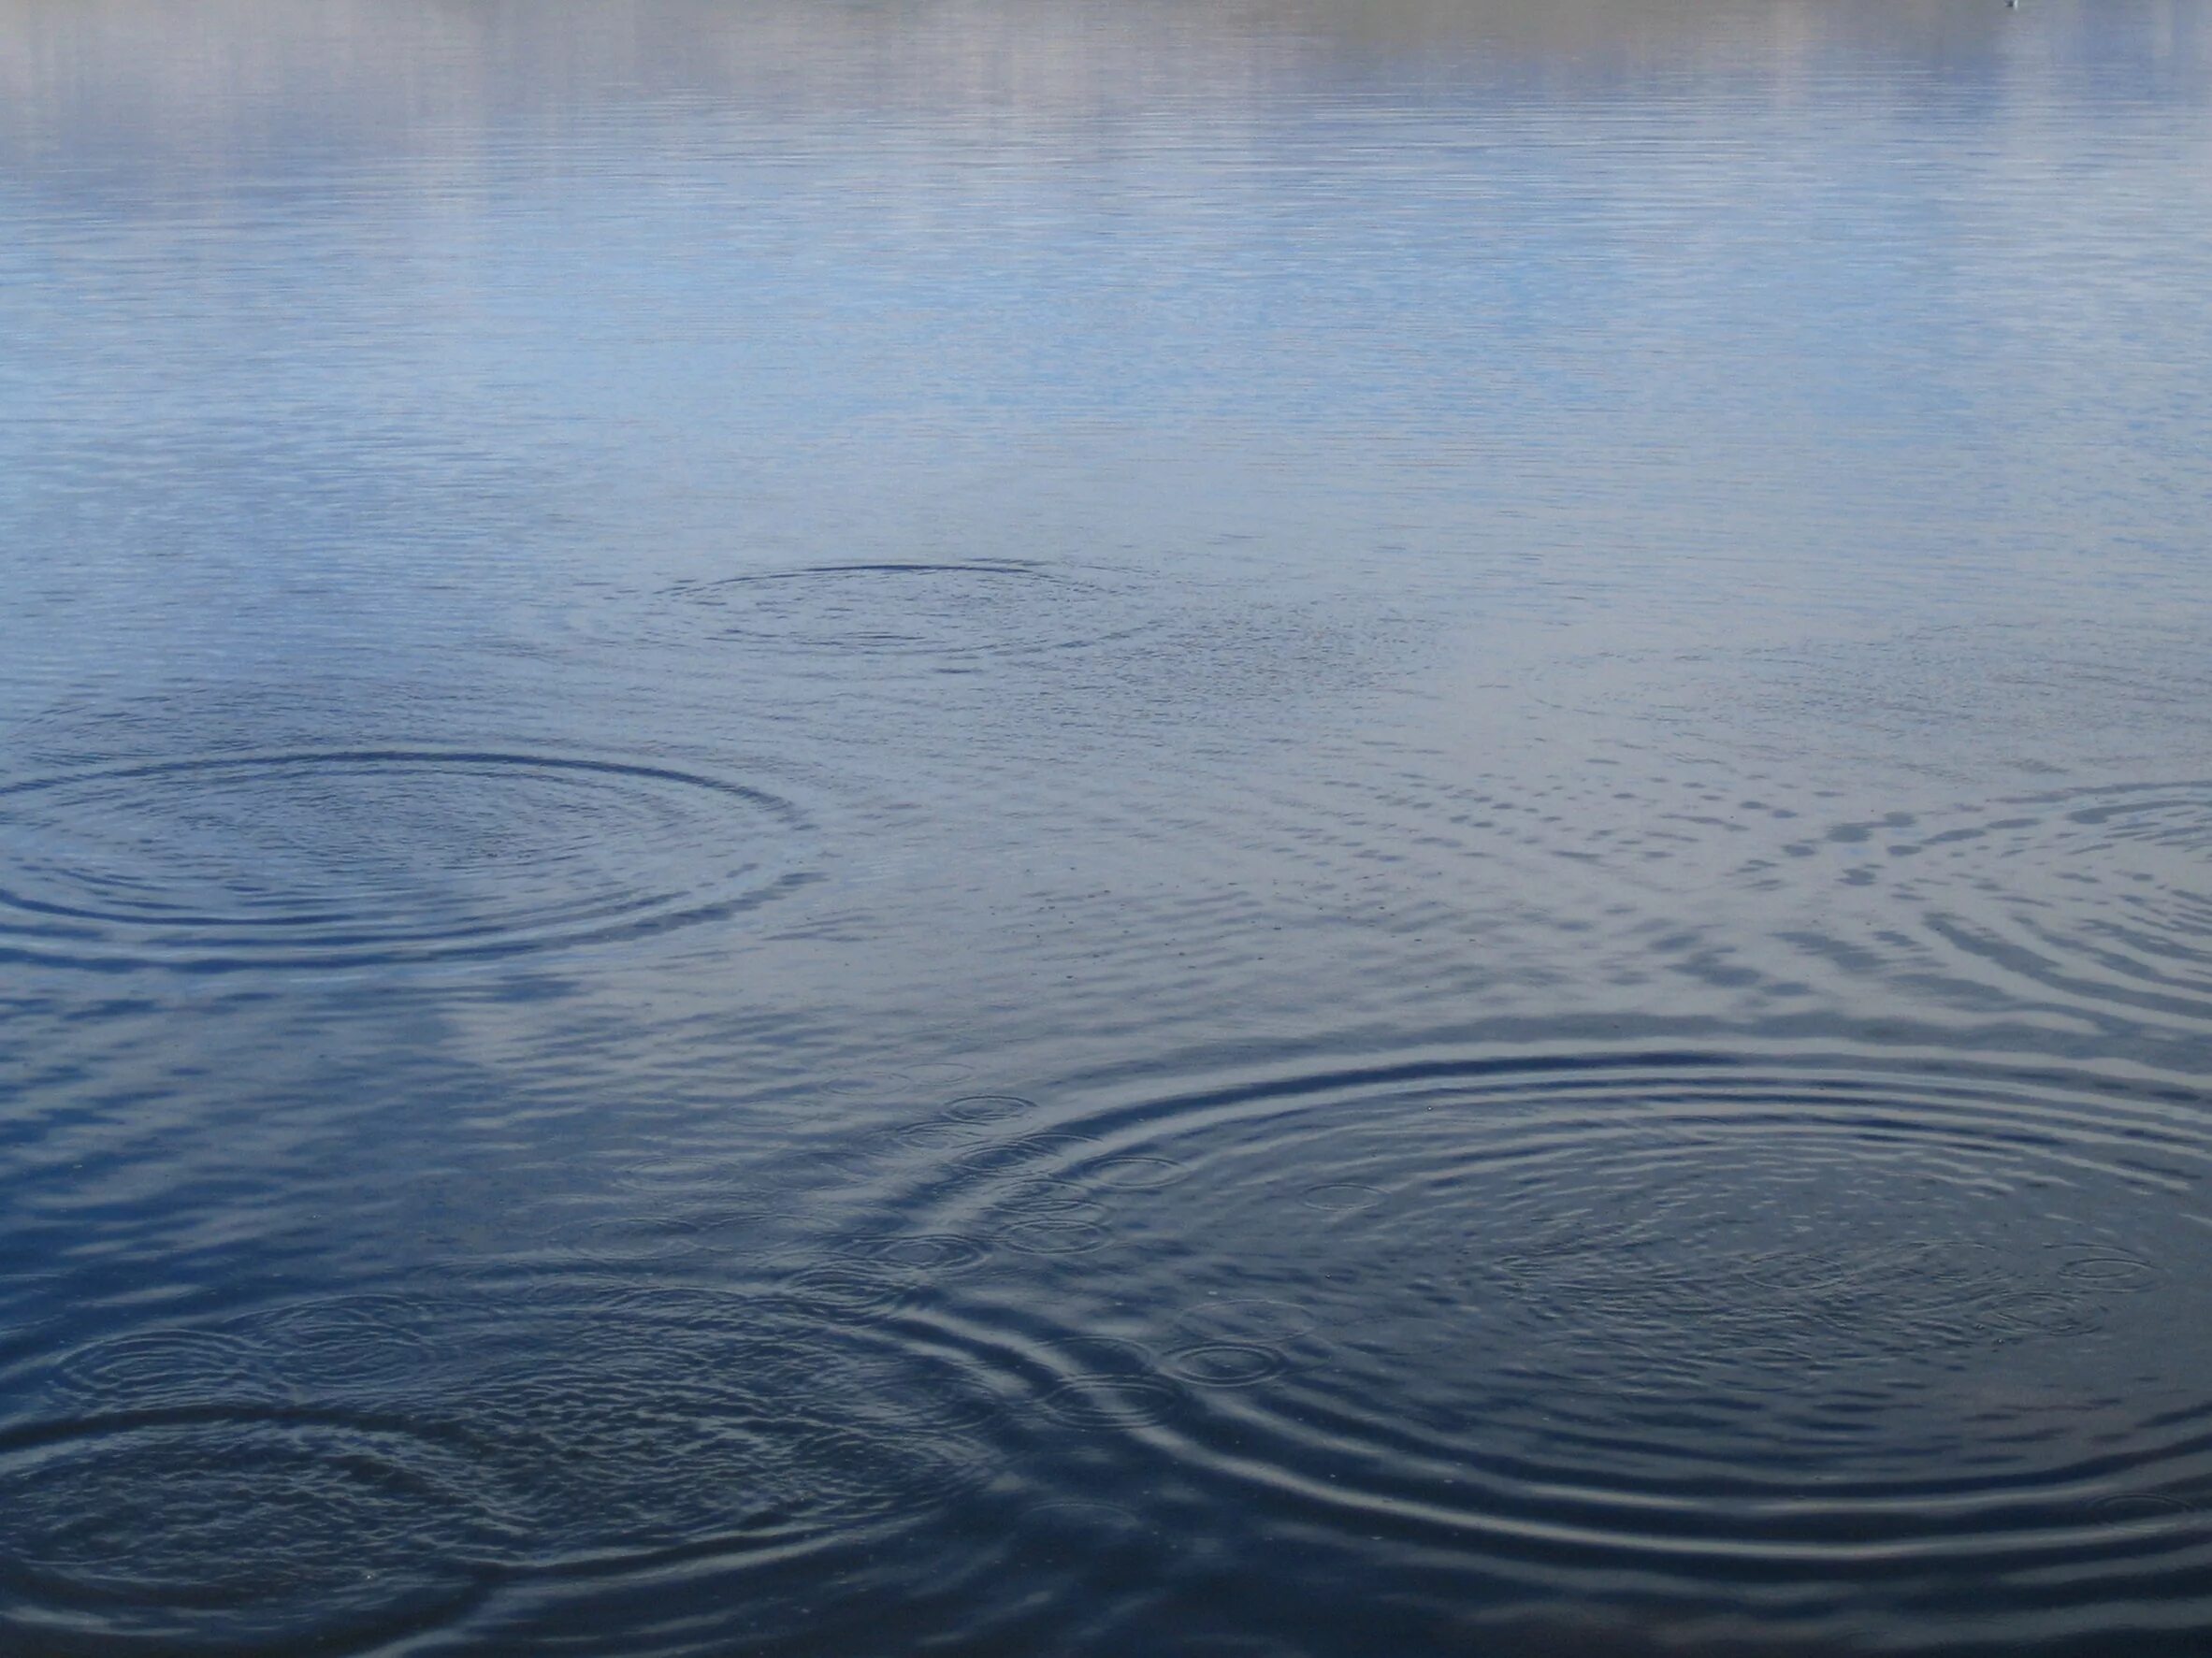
(357, 857)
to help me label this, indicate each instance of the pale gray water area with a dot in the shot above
(1075, 827)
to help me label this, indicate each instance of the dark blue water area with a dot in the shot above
(1277, 831)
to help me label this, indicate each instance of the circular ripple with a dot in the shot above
(988, 1107)
(214, 1531)
(943, 1136)
(638, 1423)
(158, 1369)
(1225, 1364)
(2034, 693)
(949, 612)
(2146, 1512)
(348, 1341)
(2037, 1312)
(1020, 1156)
(1055, 1235)
(1333, 1197)
(1712, 1318)
(1133, 1173)
(1112, 1401)
(2108, 1268)
(933, 1252)
(615, 1462)
(869, 1087)
(1062, 1200)
(905, 1387)
(374, 856)
(850, 1290)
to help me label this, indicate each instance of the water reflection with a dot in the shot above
(1289, 829)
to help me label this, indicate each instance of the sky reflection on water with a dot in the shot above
(1273, 827)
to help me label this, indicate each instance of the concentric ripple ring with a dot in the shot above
(1841, 1321)
(346, 857)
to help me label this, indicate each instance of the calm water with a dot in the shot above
(1081, 828)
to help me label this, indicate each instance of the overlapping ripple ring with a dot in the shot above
(228, 1528)
(328, 1465)
(342, 858)
(1826, 1322)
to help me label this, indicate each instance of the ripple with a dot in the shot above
(1112, 1401)
(1226, 1363)
(860, 1477)
(956, 1135)
(222, 1530)
(2038, 1312)
(905, 1386)
(351, 857)
(662, 1420)
(2146, 1512)
(2097, 901)
(1062, 1199)
(856, 1289)
(944, 614)
(933, 1252)
(2108, 1268)
(1021, 1156)
(608, 1422)
(646, 1460)
(157, 1369)
(1337, 1196)
(988, 1107)
(869, 1087)
(348, 1341)
(1055, 1235)
(1134, 1173)
(1716, 1318)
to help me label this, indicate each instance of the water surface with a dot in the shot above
(1288, 829)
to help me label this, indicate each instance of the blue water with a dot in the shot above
(1288, 830)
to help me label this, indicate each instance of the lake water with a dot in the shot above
(1057, 828)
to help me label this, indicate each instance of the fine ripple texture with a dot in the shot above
(947, 615)
(375, 856)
